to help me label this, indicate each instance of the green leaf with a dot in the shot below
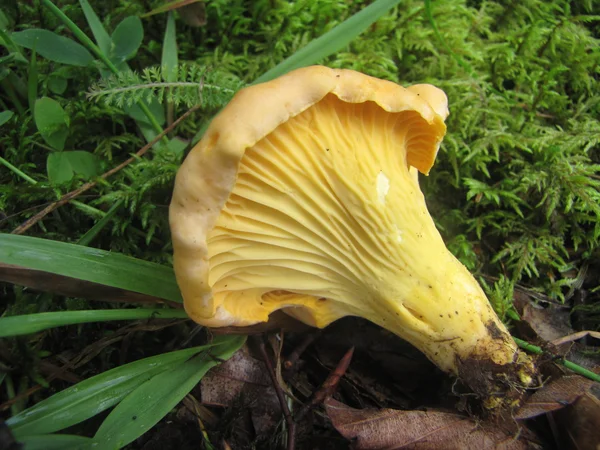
(169, 50)
(58, 171)
(126, 39)
(62, 166)
(53, 47)
(136, 113)
(4, 22)
(57, 84)
(56, 442)
(177, 146)
(5, 117)
(52, 122)
(32, 323)
(94, 395)
(149, 403)
(332, 41)
(100, 34)
(89, 264)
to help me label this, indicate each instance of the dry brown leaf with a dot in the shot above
(416, 430)
(244, 378)
(549, 323)
(554, 395)
(580, 422)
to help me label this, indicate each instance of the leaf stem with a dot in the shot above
(16, 171)
(568, 364)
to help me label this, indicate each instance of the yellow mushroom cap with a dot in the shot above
(302, 196)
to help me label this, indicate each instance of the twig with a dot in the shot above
(329, 386)
(568, 364)
(71, 195)
(291, 362)
(289, 420)
(575, 337)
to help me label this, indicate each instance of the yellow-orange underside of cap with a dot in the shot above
(208, 176)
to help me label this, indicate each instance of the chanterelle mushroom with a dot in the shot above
(303, 196)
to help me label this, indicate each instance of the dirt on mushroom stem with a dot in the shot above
(501, 387)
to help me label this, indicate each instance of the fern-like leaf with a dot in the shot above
(193, 85)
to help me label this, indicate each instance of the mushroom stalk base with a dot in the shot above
(501, 386)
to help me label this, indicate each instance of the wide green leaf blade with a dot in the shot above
(58, 168)
(56, 442)
(89, 264)
(332, 41)
(32, 323)
(52, 122)
(57, 83)
(126, 39)
(53, 46)
(94, 395)
(84, 163)
(62, 166)
(5, 117)
(148, 404)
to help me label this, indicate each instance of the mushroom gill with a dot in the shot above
(325, 220)
(303, 196)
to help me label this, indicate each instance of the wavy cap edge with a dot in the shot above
(208, 174)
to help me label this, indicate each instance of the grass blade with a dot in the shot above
(96, 394)
(5, 116)
(56, 442)
(169, 53)
(332, 41)
(99, 226)
(148, 404)
(89, 264)
(100, 34)
(12, 168)
(32, 323)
